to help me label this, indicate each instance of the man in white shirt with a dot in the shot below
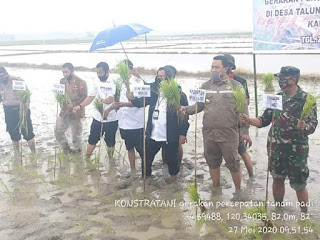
(104, 91)
(130, 118)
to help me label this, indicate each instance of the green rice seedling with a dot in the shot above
(170, 90)
(201, 221)
(36, 175)
(105, 223)
(240, 97)
(267, 81)
(8, 192)
(61, 181)
(62, 99)
(309, 106)
(194, 195)
(123, 71)
(24, 99)
(93, 164)
(260, 211)
(118, 90)
(98, 106)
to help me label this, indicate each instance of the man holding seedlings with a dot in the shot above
(130, 117)
(220, 122)
(242, 149)
(11, 106)
(164, 128)
(76, 90)
(104, 127)
(289, 138)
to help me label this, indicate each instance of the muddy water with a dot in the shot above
(67, 198)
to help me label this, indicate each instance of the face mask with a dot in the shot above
(3, 79)
(103, 78)
(69, 78)
(215, 77)
(158, 79)
(283, 83)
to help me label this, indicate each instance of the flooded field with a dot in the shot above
(43, 197)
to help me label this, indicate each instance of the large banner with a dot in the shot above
(286, 26)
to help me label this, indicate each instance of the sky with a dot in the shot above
(165, 16)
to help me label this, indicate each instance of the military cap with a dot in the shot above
(288, 71)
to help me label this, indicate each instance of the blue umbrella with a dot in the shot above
(117, 34)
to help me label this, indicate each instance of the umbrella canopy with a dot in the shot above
(117, 34)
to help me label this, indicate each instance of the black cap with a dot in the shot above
(129, 63)
(288, 71)
(3, 70)
(231, 60)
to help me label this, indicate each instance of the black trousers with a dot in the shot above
(171, 149)
(12, 118)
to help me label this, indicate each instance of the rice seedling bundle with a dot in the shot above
(170, 90)
(24, 99)
(118, 91)
(240, 97)
(62, 99)
(98, 106)
(194, 196)
(309, 106)
(123, 71)
(267, 81)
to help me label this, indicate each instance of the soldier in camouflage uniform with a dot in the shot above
(289, 138)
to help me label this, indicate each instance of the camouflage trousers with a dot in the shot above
(290, 160)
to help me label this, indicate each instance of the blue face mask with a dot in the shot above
(215, 77)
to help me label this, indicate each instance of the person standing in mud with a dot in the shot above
(130, 118)
(242, 149)
(163, 128)
(220, 122)
(11, 106)
(110, 125)
(76, 90)
(289, 138)
(173, 72)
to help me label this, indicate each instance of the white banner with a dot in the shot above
(107, 90)
(58, 89)
(197, 95)
(286, 26)
(143, 91)
(19, 85)
(272, 101)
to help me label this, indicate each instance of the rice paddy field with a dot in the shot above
(63, 196)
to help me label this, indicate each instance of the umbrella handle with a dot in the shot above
(124, 50)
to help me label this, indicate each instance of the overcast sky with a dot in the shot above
(180, 16)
